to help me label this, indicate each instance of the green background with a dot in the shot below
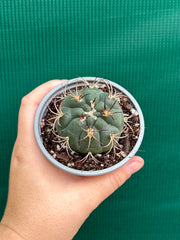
(135, 43)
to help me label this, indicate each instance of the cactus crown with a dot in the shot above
(90, 120)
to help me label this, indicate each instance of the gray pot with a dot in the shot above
(42, 109)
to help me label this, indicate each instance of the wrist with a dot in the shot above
(8, 233)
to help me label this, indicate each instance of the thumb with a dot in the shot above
(105, 185)
(118, 177)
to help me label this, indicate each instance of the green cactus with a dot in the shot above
(91, 119)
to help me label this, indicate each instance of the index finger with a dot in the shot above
(29, 106)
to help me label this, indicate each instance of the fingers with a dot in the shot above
(29, 106)
(38, 93)
(106, 184)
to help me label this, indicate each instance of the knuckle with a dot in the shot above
(118, 178)
(18, 150)
(24, 100)
(16, 155)
(116, 181)
(127, 172)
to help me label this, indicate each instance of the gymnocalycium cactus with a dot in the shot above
(90, 120)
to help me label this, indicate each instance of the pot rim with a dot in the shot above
(43, 107)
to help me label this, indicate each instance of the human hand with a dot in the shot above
(45, 202)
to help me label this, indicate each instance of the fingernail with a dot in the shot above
(135, 166)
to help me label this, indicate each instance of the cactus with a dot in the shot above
(89, 120)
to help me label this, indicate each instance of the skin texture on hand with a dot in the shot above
(45, 202)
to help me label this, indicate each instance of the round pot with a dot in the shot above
(42, 109)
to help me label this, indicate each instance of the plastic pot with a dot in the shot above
(42, 109)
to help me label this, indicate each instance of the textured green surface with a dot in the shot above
(135, 43)
(70, 123)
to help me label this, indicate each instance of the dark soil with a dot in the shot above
(101, 161)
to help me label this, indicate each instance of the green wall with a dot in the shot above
(135, 43)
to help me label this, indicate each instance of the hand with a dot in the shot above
(45, 202)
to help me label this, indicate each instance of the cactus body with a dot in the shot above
(89, 117)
